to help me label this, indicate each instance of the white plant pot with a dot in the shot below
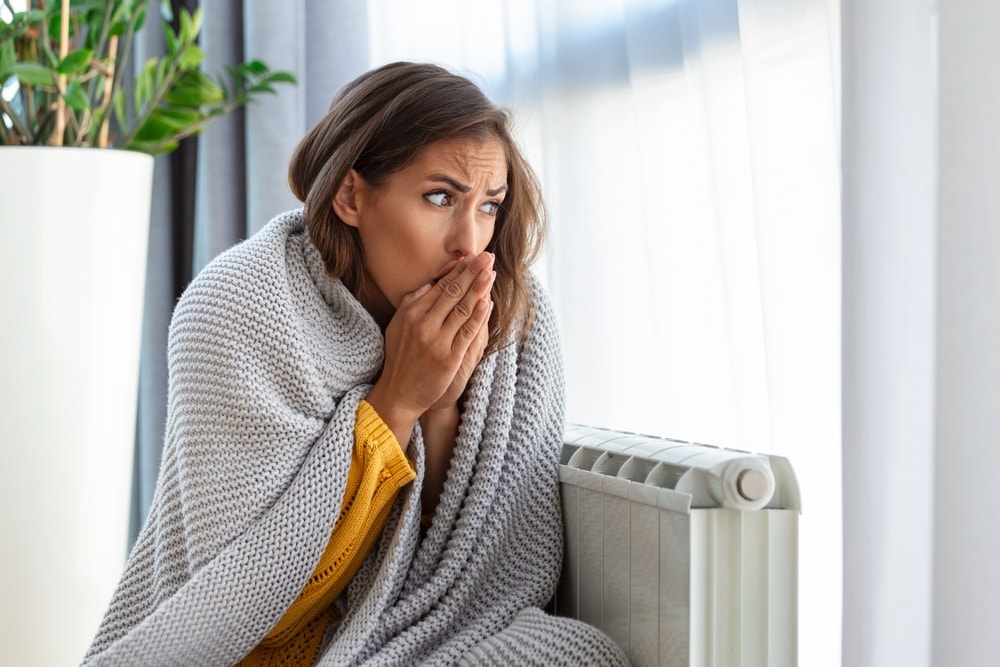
(74, 225)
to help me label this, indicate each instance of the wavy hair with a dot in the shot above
(377, 125)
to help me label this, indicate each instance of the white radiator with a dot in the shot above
(685, 554)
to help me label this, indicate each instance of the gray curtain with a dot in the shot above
(223, 186)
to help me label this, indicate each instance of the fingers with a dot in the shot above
(471, 329)
(456, 295)
(415, 295)
(439, 334)
(478, 347)
(470, 359)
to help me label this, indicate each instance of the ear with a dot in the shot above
(347, 198)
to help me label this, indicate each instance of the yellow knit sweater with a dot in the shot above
(379, 469)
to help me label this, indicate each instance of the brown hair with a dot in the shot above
(377, 125)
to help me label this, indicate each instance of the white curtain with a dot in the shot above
(921, 156)
(688, 152)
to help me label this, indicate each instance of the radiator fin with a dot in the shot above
(676, 559)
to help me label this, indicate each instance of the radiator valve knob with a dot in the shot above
(753, 484)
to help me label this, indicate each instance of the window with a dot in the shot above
(688, 152)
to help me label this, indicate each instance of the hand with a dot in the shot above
(433, 343)
(469, 362)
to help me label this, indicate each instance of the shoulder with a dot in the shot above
(240, 284)
(540, 346)
(250, 267)
(263, 251)
(541, 312)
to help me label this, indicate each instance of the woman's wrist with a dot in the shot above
(441, 413)
(399, 420)
(439, 426)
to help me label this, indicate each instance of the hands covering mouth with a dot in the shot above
(434, 342)
(446, 270)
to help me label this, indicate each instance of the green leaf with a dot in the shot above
(194, 88)
(7, 59)
(119, 21)
(145, 85)
(141, 20)
(55, 23)
(124, 12)
(176, 118)
(118, 104)
(192, 57)
(161, 72)
(281, 77)
(196, 22)
(173, 44)
(76, 97)
(33, 74)
(75, 61)
(256, 67)
(19, 24)
(30, 16)
(262, 88)
(185, 26)
(153, 147)
(154, 129)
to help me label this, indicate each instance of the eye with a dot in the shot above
(439, 198)
(490, 208)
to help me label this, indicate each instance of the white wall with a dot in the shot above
(967, 437)
(888, 157)
(921, 154)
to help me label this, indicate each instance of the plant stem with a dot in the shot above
(124, 55)
(102, 136)
(195, 128)
(102, 41)
(44, 46)
(154, 101)
(57, 138)
(15, 120)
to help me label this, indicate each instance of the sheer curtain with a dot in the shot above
(689, 156)
(688, 152)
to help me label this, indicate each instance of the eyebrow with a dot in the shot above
(464, 188)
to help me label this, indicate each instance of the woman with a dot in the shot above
(365, 413)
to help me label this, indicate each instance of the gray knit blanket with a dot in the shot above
(269, 359)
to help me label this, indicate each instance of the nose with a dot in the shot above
(463, 239)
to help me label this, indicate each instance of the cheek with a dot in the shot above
(489, 235)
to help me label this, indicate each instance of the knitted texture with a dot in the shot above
(536, 639)
(379, 469)
(269, 359)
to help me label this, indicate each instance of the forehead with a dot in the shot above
(472, 158)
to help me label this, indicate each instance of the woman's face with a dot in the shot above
(439, 208)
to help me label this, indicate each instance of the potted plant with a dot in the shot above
(70, 78)
(75, 223)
